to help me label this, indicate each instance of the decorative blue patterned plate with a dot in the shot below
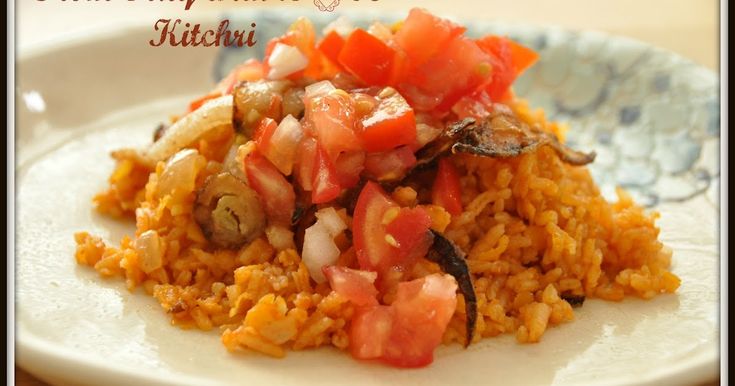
(652, 117)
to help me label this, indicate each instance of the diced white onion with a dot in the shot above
(149, 250)
(340, 25)
(318, 89)
(180, 172)
(289, 129)
(284, 144)
(319, 250)
(285, 60)
(331, 221)
(214, 113)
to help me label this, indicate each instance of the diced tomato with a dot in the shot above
(249, 71)
(276, 193)
(422, 311)
(355, 285)
(523, 57)
(368, 231)
(477, 105)
(333, 120)
(331, 45)
(324, 184)
(263, 135)
(457, 70)
(327, 68)
(386, 240)
(447, 191)
(305, 163)
(302, 36)
(406, 333)
(349, 165)
(401, 67)
(422, 35)
(367, 57)
(410, 230)
(510, 59)
(305, 40)
(507, 96)
(390, 164)
(391, 124)
(370, 331)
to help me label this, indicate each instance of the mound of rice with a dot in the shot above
(537, 234)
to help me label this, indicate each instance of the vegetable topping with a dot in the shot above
(318, 126)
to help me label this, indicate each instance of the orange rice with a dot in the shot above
(533, 229)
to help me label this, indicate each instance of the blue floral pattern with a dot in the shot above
(652, 116)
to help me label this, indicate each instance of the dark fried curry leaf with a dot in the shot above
(451, 260)
(504, 135)
(500, 135)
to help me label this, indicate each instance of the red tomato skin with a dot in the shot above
(454, 72)
(331, 45)
(503, 73)
(348, 166)
(523, 57)
(249, 71)
(300, 35)
(413, 36)
(368, 235)
(410, 229)
(371, 234)
(447, 191)
(274, 191)
(510, 59)
(355, 285)
(197, 103)
(324, 184)
(263, 134)
(391, 124)
(368, 58)
(305, 162)
(400, 68)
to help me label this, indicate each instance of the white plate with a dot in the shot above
(652, 116)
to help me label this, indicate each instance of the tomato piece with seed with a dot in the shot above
(447, 191)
